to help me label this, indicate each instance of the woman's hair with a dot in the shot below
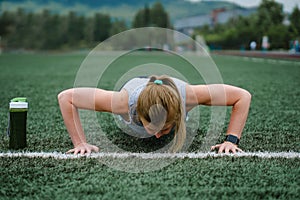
(160, 103)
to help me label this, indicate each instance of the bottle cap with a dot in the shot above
(18, 103)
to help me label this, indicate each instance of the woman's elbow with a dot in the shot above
(65, 96)
(246, 95)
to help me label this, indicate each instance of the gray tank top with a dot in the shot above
(134, 87)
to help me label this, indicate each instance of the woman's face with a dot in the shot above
(157, 130)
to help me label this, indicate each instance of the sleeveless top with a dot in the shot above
(134, 87)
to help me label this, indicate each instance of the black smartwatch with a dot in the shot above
(233, 139)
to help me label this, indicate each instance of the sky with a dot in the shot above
(288, 5)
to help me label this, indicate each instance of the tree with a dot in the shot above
(46, 30)
(269, 13)
(102, 25)
(295, 20)
(155, 16)
(138, 20)
(75, 29)
(147, 17)
(6, 21)
(117, 26)
(33, 37)
(279, 36)
(158, 16)
(17, 33)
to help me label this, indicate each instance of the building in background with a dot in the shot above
(217, 16)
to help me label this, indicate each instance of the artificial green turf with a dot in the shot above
(221, 178)
(273, 125)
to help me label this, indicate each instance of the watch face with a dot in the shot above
(233, 139)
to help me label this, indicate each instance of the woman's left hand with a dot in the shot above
(83, 148)
(226, 147)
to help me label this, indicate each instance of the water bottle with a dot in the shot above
(18, 108)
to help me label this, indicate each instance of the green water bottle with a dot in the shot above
(18, 108)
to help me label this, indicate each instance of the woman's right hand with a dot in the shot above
(84, 148)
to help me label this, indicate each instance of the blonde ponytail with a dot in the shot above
(162, 93)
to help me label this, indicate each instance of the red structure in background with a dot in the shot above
(214, 15)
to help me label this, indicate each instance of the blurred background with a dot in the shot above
(63, 25)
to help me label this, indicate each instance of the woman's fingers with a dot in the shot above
(83, 149)
(88, 151)
(226, 147)
(215, 147)
(221, 149)
(76, 151)
(233, 151)
(70, 151)
(95, 149)
(227, 150)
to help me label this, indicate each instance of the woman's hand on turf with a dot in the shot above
(226, 147)
(84, 148)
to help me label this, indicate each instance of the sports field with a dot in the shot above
(270, 168)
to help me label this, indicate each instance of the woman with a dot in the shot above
(155, 106)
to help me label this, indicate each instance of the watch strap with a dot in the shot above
(232, 138)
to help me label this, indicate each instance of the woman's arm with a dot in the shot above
(223, 95)
(91, 99)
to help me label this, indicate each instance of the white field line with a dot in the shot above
(268, 60)
(62, 156)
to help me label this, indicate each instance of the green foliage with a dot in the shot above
(39, 31)
(295, 20)
(102, 27)
(46, 30)
(280, 36)
(117, 26)
(50, 31)
(118, 9)
(267, 21)
(269, 13)
(154, 16)
(158, 16)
